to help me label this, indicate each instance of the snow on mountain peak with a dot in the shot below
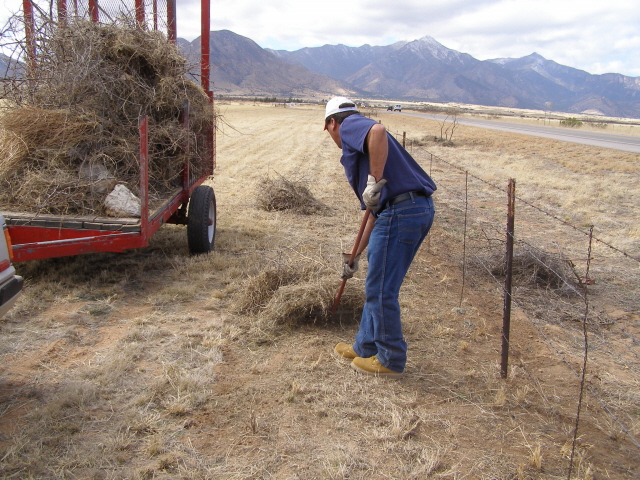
(432, 47)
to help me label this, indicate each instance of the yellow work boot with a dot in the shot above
(345, 350)
(371, 366)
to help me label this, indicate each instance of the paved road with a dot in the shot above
(607, 140)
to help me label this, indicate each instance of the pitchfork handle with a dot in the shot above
(336, 301)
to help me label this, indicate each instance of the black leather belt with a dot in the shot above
(403, 197)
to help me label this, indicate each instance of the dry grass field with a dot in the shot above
(155, 364)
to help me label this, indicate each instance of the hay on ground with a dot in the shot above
(81, 108)
(259, 289)
(286, 298)
(279, 194)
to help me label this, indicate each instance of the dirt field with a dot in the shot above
(141, 365)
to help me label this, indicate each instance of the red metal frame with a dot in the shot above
(171, 20)
(155, 14)
(204, 46)
(93, 11)
(144, 179)
(140, 13)
(38, 242)
(62, 12)
(29, 29)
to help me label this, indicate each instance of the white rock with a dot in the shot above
(122, 203)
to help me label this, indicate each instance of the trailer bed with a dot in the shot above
(73, 222)
(88, 222)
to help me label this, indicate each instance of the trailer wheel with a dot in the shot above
(201, 220)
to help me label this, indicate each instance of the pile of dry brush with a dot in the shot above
(280, 194)
(288, 296)
(73, 122)
(534, 268)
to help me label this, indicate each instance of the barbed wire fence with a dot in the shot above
(575, 287)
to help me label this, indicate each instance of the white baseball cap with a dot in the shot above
(339, 104)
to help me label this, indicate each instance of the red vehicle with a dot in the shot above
(194, 205)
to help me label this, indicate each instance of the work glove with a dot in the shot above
(371, 194)
(348, 271)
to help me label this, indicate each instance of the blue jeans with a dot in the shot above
(397, 234)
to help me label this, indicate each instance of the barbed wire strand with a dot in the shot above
(532, 250)
(529, 204)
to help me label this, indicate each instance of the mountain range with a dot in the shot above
(419, 70)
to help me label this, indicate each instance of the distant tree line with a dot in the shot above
(277, 100)
(220, 96)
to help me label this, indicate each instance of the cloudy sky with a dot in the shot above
(597, 36)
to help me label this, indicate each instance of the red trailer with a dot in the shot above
(194, 205)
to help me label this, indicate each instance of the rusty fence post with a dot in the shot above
(506, 316)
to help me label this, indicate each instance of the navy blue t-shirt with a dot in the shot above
(402, 172)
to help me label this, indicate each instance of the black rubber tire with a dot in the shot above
(201, 220)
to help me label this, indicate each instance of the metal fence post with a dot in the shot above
(506, 316)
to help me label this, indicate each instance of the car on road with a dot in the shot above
(397, 108)
(390, 107)
(10, 283)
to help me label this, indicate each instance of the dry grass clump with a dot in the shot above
(277, 194)
(288, 297)
(536, 269)
(259, 289)
(79, 112)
